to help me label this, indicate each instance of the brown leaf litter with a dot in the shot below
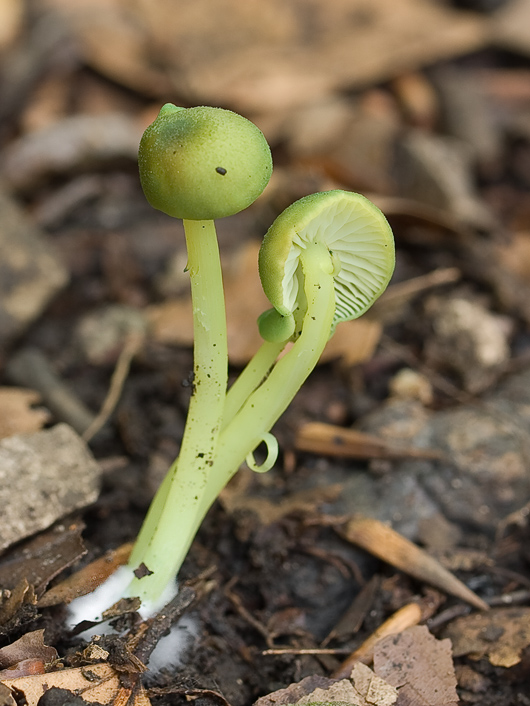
(262, 55)
(110, 669)
(411, 668)
(501, 635)
(18, 414)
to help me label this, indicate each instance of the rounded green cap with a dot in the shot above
(274, 327)
(203, 163)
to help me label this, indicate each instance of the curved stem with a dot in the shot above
(179, 498)
(250, 378)
(268, 402)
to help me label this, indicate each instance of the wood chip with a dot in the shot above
(88, 578)
(383, 542)
(11, 20)
(42, 558)
(331, 440)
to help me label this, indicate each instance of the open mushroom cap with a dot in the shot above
(357, 236)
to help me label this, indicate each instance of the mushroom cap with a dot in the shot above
(203, 163)
(357, 236)
(274, 327)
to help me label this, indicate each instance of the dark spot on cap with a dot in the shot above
(220, 170)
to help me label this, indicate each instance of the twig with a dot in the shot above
(341, 442)
(306, 651)
(30, 368)
(405, 617)
(238, 605)
(519, 597)
(387, 544)
(117, 381)
(405, 291)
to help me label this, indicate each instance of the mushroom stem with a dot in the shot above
(250, 378)
(180, 495)
(268, 401)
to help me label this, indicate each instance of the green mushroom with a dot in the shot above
(324, 260)
(203, 163)
(355, 244)
(197, 164)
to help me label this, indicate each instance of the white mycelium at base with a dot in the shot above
(91, 606)
(170, 650)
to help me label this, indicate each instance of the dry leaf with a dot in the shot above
(17, 414)
(41, 558)
(70, 144)
(382, 541)
(27, 655)
(364, 688)
(510, 26)
(436, 171)
(260, 56)
(501, 635)
(419, 664)
(494, 265)
(375, 690)
(354, 342)
(32, 273)
(99, 683)
(514, 256)
(292, 693)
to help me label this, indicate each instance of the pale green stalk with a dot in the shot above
(268, 402)
(179, 499)
(250, 378)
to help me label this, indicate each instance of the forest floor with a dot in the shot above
(385, 558)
